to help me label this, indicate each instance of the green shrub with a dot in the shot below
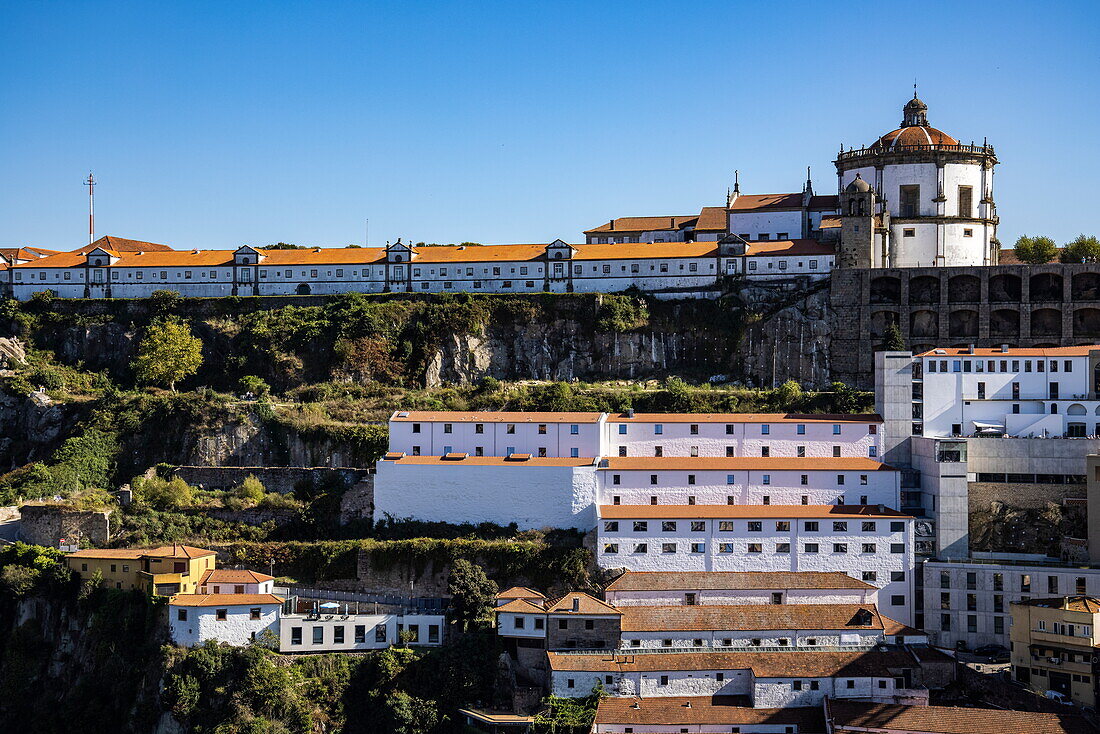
(251, 489)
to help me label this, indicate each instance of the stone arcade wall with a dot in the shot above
(1019, 305)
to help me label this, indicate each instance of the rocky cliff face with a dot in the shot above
(29, 428)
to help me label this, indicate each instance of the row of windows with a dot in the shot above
(765, 451)
(783, 264)
(1025, 579)
(972, 623)
(754, 526)
(360, 631)
(731, 500)
(221, 615)
(509, 428)
(991, 365)
(811, 548)
(804, 479)
(731, 428)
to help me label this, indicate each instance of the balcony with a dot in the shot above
(857, 154)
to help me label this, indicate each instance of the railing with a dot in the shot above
(886, 150)
(419, 605)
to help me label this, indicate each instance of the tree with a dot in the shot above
(163, 494)
(789, 395)
(1081, 250)
(285, 246)
(411, 715)
(1035, 250)
(472, 592)
(891, 340)
(251, 489)
(168, 353)
(252, 384)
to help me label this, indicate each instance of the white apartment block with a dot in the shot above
(769, 679)
(554, 434)
(665, 588)
(873, 544)
(315, 633)
(119, 268)
(967, 601)
(234, 619)
(746, 481)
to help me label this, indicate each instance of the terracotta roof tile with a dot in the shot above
(223, 600)
(164, 551)
(517, 460)
(586, 604)
(877, 717)
(825, 201)
(756, 617)
(121, 244)
(711, 219)
(742, 463)
(734, 580)
(1089, 604)
(800, 663)
(520, 592)
(632, 225)
(134, 553)
(520, 606)
(1081, 351)
(789, 247)
(756, 202)
(178, 551)
(232, 576)
(700, 512)
(829, 223)
(676, 711)
(914, 135)
(646, 250)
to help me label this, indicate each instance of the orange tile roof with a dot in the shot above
(231, 576)
(677, 711)
(741, 463)
(829, 223)
(121, 244)
(133, 553)
(520, 606)
(1089, 604)
(711, 219)
(825, 201)
(747, 418)
(734, 580)
(759, 248)
(849, 716)
(644, 224)
(1081, 351)
(924, 136)
(223, 600)
(178, 551)
(492, 416)
(645, 250)
(795, 663)
(520, 592)
(520, 460)
(754, 202)
(701, 512)
(586, 604)
(164, 551)
(756, 617)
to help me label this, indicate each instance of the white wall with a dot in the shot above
(433, 439)
(667, 597)
(369, 623)
(238, 628)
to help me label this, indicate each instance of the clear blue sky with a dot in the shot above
(213, 124)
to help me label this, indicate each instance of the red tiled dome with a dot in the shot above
(914, 135)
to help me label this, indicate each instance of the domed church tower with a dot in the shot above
(933, 203)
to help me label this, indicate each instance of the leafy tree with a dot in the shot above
(891, 340)
(679, 395)
(251, 489)
(1084, 249)
(411, 715)
(789, 395)
(168, 353)
(255, 385)
(570, 714)
(285, 246)
(1035, 250)
(845, 399)
(163, 494)
(164, 301)
(472, 592)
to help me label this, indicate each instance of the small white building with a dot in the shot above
(663, 588)
(235, 619)
(874, 544)
(343, 632)
(495, 433)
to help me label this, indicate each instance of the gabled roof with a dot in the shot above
(754, 617)
(164, 551)
(231, 576)
(128, 553)
(734, 580)
(849, 716)
(520, 592)
(758, 202)
(520, 606)
(178, 551)
(223, 600)
(629, 225)
(586, 604)
(760, 248)
(121, 244)
(794, 663)
(676, 711)
(781, 512)
(711, 219)
(1089, 604)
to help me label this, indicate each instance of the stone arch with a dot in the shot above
(1077, 409)
(924, 324)
(303, 289)
(1004, 322)
(924, 289)
(1086, 287)
(1005, 288)
(1086, 322)
(964, 289)
(882, 319)
(1046, 322)
(1046, 287)
(886, 290)
(963, 322)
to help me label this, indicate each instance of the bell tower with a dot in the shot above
(857, 225)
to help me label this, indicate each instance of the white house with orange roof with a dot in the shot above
(232, 618)
(521, 593)
(231, 581)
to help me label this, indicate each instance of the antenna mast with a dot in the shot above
(90, 183)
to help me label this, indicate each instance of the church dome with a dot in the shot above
(858, 185)
(914, 131)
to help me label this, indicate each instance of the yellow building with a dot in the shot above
(1054, 644)
(164, 571)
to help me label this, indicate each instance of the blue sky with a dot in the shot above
(212, 125)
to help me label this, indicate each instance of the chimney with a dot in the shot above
(969, 348)
(576, 603)
(611, 225)
(629, 412)
(687, 704)
(881, 509)
(1004, 349)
